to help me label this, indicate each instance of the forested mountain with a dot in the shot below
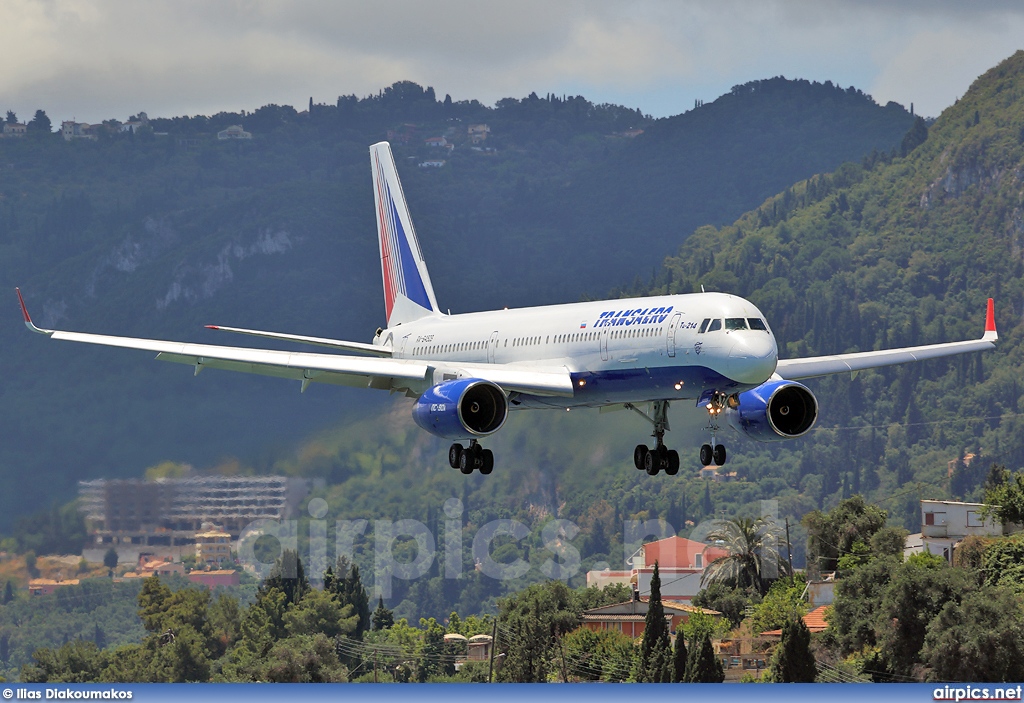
(159, 232)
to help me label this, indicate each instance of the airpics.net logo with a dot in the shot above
(977, 693)
(421, 550)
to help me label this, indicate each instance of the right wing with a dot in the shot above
(409, 375)
(798, 369)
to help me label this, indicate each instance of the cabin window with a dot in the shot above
(704, 325)
(735, 323)
(756, 323)
(715, 326)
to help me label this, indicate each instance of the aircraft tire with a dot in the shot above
(466, 462)
(486, 462)
(719, 454)
(454, 455)
(639, 455)
(651, 463)
(706, 454)
(673, 463)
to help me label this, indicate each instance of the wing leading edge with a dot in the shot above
(386, 374)
(811, 367)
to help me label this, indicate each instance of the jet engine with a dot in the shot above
(461, 408)
(773, 411)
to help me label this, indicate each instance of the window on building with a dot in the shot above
(974, 519)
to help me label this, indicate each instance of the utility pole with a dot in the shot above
(789, 551)
(494, 644)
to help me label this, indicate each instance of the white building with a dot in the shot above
(944, 523)
(235, 131)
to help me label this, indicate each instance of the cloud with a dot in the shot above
(96, 59)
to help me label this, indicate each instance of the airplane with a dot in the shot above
(466, 372)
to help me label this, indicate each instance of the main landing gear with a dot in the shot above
(714, 452)
(660, 457)
(466, 459)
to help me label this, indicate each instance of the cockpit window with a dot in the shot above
(704, 325)
(715, 326)
(756, 323)
(735, 323)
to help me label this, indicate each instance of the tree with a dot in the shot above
(655, 663)
(8, 593)
(11, 117)
(783, 602)
(288, 577)
(729, 601)
(1004, 491)
(320, 612)
(345, 583)
(110, 559)
(679, 659)
(533, 618)
(752, 559)
(978, 639)
(382, 617)
(832, 534)
(702, 666)
(792, 661)
(40, 125)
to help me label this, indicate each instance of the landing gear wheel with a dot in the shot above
(706, 454)
(486, 462)
(467, 462)
(640, 455)
(651, 463)
(719, 454)
(454, 454)
(673, 463)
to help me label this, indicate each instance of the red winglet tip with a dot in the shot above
(212, 327)
(990, 316)
(21, 301)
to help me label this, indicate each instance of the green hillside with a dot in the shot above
(160, 232)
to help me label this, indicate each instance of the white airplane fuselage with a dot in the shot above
(616, 351)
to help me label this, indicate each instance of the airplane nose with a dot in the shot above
(753, 357)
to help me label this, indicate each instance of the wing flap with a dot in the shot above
(343, 345)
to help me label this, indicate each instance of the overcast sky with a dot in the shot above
(96, 59)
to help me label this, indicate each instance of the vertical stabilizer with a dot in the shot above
(408, 294)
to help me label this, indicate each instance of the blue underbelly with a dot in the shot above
(636, 385)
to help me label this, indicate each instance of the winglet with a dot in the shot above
(990, 322)
(212, 327)
(28, 318)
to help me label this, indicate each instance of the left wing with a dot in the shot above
(797, 369)
(388, 374)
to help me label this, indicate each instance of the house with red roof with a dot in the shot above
(681, 565)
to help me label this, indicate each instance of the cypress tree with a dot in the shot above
(8, 593)
(702, 666)
(793, 661)
(679, 659)
(382, 617)
(655, 665)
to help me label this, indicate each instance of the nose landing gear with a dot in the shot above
(466, 459)
(714, 452)
(660, 457)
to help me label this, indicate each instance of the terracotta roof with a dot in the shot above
(613, 618)
(815, 621)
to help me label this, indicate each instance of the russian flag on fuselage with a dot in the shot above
(404, 275)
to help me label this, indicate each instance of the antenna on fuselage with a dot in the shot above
(702, 288)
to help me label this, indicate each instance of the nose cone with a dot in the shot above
(753, 357)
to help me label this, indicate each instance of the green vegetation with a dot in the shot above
(655, 664)
(792, 661)
(159, 232)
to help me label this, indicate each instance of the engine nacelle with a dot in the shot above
(462, 408)
(774, 411)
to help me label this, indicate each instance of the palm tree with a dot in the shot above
(752, 558)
